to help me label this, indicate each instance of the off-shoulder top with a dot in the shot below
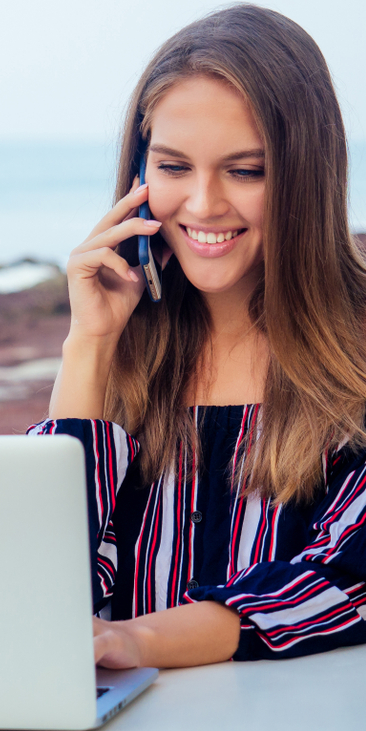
(295, 574)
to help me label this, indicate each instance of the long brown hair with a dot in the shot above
(311, 300)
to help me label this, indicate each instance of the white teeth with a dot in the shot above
(210, 238)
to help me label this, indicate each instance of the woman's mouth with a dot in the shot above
(212, 237)
(211, 244)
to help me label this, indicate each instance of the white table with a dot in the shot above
(325, 692)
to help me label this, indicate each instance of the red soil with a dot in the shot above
(33, 324)
(42, 338)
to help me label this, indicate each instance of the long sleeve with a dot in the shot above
(315, 601)
(109, 451)
(296, 574)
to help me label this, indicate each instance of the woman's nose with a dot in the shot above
(206, 199)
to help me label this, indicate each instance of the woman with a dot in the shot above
(239, 530)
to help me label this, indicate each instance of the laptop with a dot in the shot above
(47, 673)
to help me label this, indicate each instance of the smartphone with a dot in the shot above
(151, 268)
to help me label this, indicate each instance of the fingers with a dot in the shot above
(122, 209)
(99, 648)
(87, 264)
(104, 644)
(114, 235)
(113, 648)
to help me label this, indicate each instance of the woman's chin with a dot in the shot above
(220, 282)
(211, 287)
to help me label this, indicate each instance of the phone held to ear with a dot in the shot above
(151, 268)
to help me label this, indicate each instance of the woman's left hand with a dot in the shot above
(114, 647)
(183, 636)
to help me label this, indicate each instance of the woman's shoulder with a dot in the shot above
(95, 434)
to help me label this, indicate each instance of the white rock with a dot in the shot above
(43, 369)
(24, 275)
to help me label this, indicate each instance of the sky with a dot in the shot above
(68, 67)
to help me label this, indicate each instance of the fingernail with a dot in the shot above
(140, 188)
(132, 275)
(151, 222)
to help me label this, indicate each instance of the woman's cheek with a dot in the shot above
(162, 212)
(162, 206)
(169, 238)
(251, 205)
(156, 203)
(164, 198)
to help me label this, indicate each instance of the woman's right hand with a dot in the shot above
(104, 289)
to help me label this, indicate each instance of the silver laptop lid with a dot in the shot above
(47, 675)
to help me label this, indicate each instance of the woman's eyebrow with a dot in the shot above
(258, 152)
(163, 150)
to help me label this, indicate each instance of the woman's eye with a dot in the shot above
(244, 173)
(172, 169)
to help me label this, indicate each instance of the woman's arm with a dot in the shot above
(79, 389)
(104, 291)
(194, 634)
(315, 601)
(287, 608)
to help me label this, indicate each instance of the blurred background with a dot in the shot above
(67, 72)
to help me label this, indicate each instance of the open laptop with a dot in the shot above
(47, 672)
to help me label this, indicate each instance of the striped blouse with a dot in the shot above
(295, 574)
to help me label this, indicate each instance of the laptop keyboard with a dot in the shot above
(101, 691)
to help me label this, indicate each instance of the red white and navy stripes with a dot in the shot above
(341, 522)
(306, 608)
(109, 451)
(238, 508)
(165, 550)
(295, 574)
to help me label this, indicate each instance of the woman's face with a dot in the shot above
(205, 170)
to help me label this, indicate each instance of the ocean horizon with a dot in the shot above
(51, 196)
(53, 193)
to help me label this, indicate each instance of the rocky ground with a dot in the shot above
(33, 325)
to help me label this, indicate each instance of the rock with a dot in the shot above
(25, 274)
(23, 309)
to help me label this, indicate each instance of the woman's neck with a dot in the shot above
(229, 310)
(235, 363)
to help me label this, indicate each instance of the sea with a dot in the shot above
(51, 196)
(53, 193)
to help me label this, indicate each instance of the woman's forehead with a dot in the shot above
(203, 110)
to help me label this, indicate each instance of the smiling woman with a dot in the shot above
(240, 528)
(209, 196)
(213, 187)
